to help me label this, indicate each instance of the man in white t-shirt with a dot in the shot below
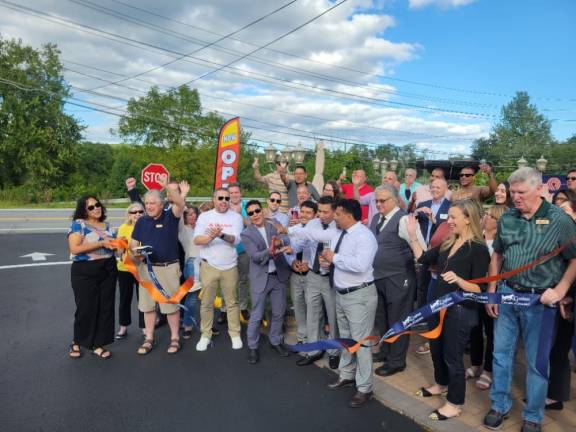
(217, 233)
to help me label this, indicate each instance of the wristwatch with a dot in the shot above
(222, 236)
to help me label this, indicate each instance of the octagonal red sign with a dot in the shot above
(152, 173)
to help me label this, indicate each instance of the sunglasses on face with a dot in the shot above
(136, 212)
(466, 175)
(223, 198)
(274, 200)
(253, 212)
(94, 206)
(571, 178)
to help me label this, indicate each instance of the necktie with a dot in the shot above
(336, 249)
(407, 193)
(319, 249)
(380, 224)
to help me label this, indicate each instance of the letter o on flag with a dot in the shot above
(228, 156)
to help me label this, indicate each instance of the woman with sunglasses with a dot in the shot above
(191, 269)
(478, 352)
(93, 277)
(126, 282)
(463, 256)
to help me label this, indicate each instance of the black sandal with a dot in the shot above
(423, 392)
(104, 354)
(146, 347)
(174, 343)
(437, 415)
(75, 349)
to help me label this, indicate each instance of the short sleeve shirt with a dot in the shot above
(161, 234)
(520, 241)
(91, 234)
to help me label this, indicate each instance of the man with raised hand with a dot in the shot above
(469, 190)
(159, 229)
(217, 233)
(269, 273)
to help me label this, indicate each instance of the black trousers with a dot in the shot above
(395, 300)
(94, 286)
(559, 381)
(448, 350)
(127, 285)
(477, 351)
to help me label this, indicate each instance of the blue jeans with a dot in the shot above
(512, 322)
(190, 318)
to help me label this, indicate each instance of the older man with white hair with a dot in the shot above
(532, 229)
(409, 186)
(159, 229)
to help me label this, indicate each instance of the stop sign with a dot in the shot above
(152, 173)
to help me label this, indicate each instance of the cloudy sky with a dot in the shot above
(430, 72)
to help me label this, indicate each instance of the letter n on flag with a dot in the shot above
(228, 154)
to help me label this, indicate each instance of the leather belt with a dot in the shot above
(164, 264)
(272, 273)
(320, 273)
(354, 288)
(525, 290)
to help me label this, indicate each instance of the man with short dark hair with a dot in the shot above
(349, 260)
(273, 210)
(217, 233)
(269, 273)
(469, 190)
(300, 175)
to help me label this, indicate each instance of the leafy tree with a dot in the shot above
(521, 131)
(38, 141)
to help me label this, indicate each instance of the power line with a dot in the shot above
(357, 71)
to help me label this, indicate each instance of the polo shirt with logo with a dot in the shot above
(161, 234)
(520, 241)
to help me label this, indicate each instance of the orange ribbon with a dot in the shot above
(156, 295)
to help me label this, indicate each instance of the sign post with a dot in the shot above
(152, 173)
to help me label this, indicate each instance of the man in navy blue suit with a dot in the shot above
(432, 213)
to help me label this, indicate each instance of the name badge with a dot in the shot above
(159, 226)
(443, 216)
(542, 221)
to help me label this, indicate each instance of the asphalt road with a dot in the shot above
(41, 389)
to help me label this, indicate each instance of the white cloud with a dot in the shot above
(445, 4)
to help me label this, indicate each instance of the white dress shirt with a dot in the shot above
(353, 262)
(402, 229)
(219, 253)
(271, 263)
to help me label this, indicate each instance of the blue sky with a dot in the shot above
(486, 48)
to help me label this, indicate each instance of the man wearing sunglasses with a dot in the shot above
(469, 190)
(217, 233)
(273, 211)
(571, 180)
(269, 273)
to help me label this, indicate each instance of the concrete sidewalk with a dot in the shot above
(398, 393)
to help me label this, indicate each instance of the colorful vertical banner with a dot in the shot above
(228, 154)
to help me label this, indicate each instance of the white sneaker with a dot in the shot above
(237, 343)
(202, 344)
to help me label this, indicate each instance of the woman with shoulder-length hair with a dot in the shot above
(93, 277)
(331, 188)
(127, 284)
(463, 256)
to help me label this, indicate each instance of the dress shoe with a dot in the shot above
(341, 383)
(245, 315)
(556, 406)
(333, 362)
(360, 399)
(388, 371)
(222, 318)
(308, 359)
(280, 349)
(253, 356)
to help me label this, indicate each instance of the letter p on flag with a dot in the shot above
(228, 154)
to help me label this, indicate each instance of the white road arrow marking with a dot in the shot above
(37, 256)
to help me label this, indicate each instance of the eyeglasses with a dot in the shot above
(571, 178)
(273, 200)
(223, 198)
(382, 201)
(253, 212)
(466, 175)
(136, 212)
(92, 207)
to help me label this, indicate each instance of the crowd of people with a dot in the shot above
(354, 260)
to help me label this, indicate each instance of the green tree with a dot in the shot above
(521, 131)
(38, 141)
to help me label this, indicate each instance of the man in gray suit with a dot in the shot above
(269, 273)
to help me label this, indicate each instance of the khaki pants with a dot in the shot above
(169, 278)
(227, 279)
